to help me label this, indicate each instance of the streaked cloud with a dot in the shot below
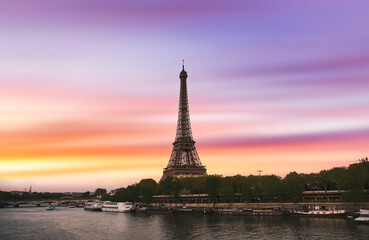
(336, 64)
(89, 89)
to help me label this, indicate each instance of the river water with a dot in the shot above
(75, 223)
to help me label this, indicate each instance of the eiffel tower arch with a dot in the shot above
(184, 160)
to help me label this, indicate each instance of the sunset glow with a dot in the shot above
(89, 89)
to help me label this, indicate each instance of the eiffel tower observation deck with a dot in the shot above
(184, 160)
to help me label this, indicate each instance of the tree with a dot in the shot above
(100, 192)
(176, 188)
(120, 195)
(256, 188)
(86, 194)
(212, 186)
(147, 188)
(245, 189)
(4, 196)
(165, 186)
(133, 194)
(272, 187)
(187, 184)
(105, 197)
(293, 186)
(338, 175)
(226, 188)
(171, 186)
(356, 180)
(356, 195)
(199, 185)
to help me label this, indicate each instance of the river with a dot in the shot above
(75, 223)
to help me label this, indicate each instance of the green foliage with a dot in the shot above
(272, 188)
(213, 183)
(5, 196)
(188, 184)
(199, 185)
(133, 194)
(165, 186)
(120, 195)
(147, 188)
(245, 188)
(171, 186)
(86, 194)
(105, 197)
(100, 192)
(176, 187)
(356, 195)
(8, 196)
(227, 190)
(294, 185)
(267, 188)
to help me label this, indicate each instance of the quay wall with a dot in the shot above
(337, 205)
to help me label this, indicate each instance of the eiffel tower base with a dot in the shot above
(183, 172)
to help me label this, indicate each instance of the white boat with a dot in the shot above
(92, 206)
(363, 216)
(320, 212)
(117, 206)
(51, 207)
(26, 205)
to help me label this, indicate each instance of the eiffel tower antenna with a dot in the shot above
(184, 160)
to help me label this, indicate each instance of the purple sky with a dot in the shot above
(290, 78)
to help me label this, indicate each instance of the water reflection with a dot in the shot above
(67, 223)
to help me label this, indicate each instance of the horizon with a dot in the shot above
(257, 175)
(89, 90)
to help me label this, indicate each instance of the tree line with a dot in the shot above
(9, 196)
(268, 188)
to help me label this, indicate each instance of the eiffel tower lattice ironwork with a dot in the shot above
(184, 160)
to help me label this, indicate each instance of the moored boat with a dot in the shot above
(363, 216)
(230, 211)
(26, 205)
(51, 207)
(266, 211)
(150, 209)
(92, 206)
(185, 209)
(269, 211)
(117, 206)
(319, 212)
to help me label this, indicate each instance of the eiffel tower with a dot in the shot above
(184, 160)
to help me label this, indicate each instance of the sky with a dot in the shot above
(89, 89)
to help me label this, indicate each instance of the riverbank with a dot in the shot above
(338, 205)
